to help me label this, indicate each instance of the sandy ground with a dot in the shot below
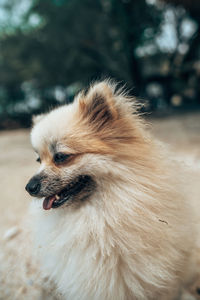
(19, 276)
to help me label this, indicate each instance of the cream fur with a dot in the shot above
(134, 238)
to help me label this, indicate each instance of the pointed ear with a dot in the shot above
(36, 119)
(98, 105)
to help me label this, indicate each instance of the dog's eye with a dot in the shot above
(38, 160)
(60, 157)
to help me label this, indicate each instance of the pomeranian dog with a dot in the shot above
(112, 219)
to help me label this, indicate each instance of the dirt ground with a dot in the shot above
(19, 277)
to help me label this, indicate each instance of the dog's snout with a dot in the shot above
(33, 186)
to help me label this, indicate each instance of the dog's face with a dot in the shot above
(79, 144)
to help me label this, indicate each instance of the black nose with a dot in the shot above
(33, 186)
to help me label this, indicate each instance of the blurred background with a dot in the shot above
(49, 50)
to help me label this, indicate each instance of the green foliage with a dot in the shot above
(76, 41)
(67, 42)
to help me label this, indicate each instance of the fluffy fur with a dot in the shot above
(132, 238)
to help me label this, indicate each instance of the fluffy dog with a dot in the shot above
(116, 223)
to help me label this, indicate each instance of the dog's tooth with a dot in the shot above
(57, 197)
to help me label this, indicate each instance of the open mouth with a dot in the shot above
(71, 190)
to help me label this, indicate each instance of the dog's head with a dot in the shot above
(78, 145)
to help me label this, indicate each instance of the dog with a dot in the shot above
(111, 216)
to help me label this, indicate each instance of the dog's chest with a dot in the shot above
(66, 252)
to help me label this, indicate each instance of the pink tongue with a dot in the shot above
(48, 202)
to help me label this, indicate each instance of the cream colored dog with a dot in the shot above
(116, 223)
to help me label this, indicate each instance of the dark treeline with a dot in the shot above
(59, 46)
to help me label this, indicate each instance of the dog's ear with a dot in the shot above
(98, 105)
(37, 118)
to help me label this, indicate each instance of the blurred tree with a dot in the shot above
(57, 43)
(132, 31)
(80, 40)
(186, 66)
(76, 41)
(193, 8)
